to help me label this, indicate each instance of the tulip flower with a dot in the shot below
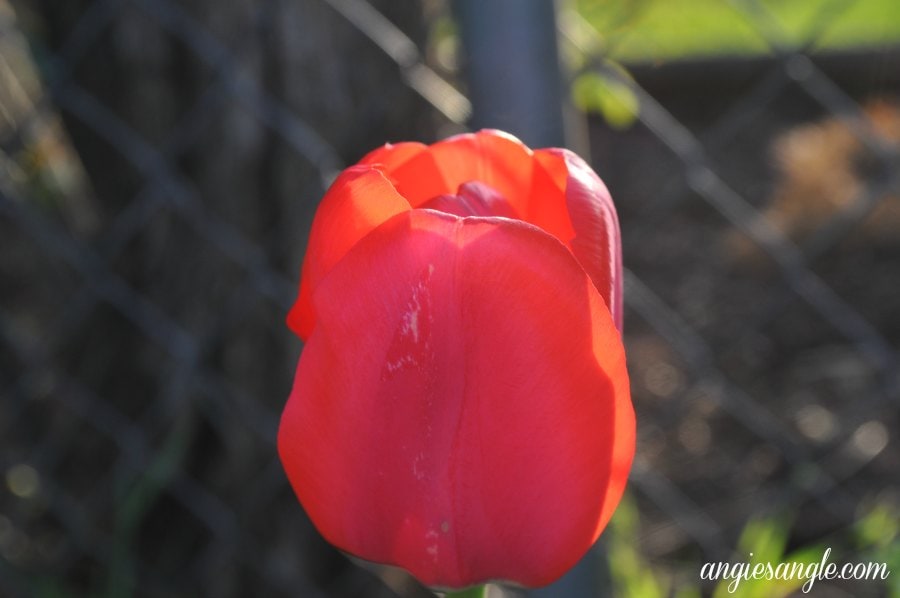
(461, 407)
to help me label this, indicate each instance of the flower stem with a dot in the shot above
(473, 592)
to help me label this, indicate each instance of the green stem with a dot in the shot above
(473, 592)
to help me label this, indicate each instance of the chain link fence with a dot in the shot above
(160, 163)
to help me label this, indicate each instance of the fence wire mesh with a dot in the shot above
(160, 163)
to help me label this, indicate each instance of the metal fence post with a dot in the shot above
(513, 74)
(512, 67)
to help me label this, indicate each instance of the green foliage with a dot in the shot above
(764, 541)
(877, 536)
(615, 101)
(879, 528)
(473, 592)
(653, 30)
(49, 588)
(135, 500)
(631, 574)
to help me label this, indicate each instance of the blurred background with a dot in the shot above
(160, 163)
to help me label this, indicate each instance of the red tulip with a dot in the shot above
(461, 407)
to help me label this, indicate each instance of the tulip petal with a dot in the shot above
(547, 208)
(359, 200)
(472, 199)
(391, 156)
(596, 243)
(493, 158)
(461, 408)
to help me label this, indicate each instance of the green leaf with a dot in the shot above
(632, 575)
(878, 527)
(473, 592)
(614, 100)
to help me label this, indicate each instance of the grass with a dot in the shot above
(661, 30)
(874, 537)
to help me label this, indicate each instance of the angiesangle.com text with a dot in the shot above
(810, 572)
